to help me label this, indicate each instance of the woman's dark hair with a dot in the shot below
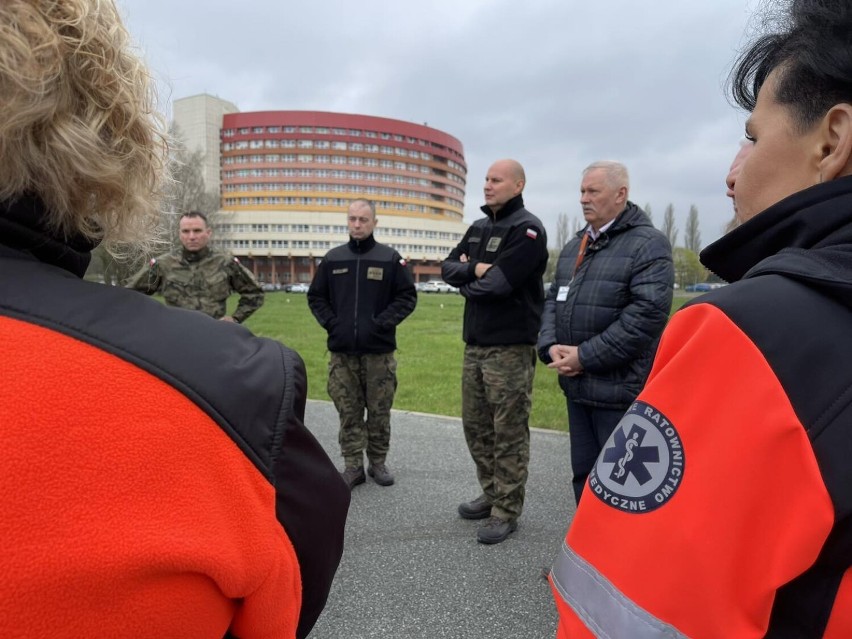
(810, 44)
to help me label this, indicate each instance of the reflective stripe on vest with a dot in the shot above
(600, 605)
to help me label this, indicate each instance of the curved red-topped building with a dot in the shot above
(287, 178)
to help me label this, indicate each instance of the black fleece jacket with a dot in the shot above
(361, 291)
(503, 307)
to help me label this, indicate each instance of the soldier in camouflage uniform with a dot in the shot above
(362, 290)
(498, 267)
(200, 278)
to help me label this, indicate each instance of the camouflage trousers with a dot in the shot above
(496, 399)
(356, 383)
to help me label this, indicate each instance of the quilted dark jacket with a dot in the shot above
(615, 309)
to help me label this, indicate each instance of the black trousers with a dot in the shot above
(589, 428)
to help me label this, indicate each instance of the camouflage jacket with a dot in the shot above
(200, 281)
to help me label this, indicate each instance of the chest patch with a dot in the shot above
(339, 271)
(375, 273)
(642, 464)
(493, 244)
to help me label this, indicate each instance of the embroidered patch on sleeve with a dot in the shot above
(403, 262)
(642, 464)
(532, 233)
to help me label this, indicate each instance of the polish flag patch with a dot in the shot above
(403, 262)
(532, 234)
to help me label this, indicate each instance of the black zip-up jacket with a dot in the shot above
(361, 291)
(503, 307)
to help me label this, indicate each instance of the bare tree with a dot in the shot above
(187, 190)
(692, 234)
(550, 270)
(562, 233)
(669, 227)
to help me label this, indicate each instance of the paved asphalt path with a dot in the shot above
(412, 568)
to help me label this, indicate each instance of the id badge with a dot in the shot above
(562, 294)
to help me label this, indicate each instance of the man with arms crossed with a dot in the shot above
(498, 267)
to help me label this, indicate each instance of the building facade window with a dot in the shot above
(311, 168)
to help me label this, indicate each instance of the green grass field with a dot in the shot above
(429, 355)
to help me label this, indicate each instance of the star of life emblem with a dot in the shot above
(642, 464)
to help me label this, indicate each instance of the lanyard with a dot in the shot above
(581, 253)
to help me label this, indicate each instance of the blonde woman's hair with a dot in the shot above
(78, 127)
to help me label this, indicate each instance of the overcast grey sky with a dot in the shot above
(555, 84)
